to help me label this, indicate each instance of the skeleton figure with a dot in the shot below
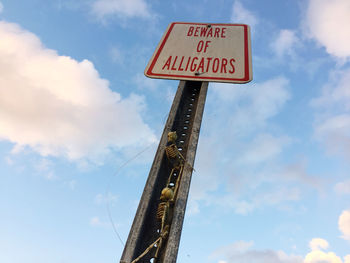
(175, 159)
(168, 195)
(164, 215)
(164, 218)
(172, 152)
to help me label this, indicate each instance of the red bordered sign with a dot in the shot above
(203, 52)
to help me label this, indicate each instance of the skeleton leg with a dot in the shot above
(164, 218)
(163, 236)
(163, 230)
(158, 249)
(147, 250)
(171, 175)
(178, 181)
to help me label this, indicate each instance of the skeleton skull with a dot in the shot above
(167, 194)
(172, 137)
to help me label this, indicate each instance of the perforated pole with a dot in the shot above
(185, 118)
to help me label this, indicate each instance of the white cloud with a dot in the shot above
(285, 43)
(61, 107)
(318, 256)
(327, 23)
(242, 252)
(121, 8)
(344, 224)
(245, 253)
(318, 243)
(242, 15)
(343, 187)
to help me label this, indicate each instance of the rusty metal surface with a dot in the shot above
(185, 118)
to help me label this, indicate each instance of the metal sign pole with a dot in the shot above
(146, 240)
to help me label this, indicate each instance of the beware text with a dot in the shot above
(202, 63)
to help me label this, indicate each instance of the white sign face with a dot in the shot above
(203, 52)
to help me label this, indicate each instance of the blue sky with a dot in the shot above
(80, 123)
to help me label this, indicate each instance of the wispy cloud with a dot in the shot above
(242, 251)
(243, 169)
(117, 55)
(244, 204)
(334, 130)
(45, 168)
(251, 106)
(332, 122)
(96, 222)
(242, 15)
(61, 107)
(243, 154)
(297, 172)
(285, 43)
(263, 147)
(342, 187)
(71, 184)
(335, 93)
(121, 8)
(105, 198)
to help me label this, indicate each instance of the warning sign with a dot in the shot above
(203, 52)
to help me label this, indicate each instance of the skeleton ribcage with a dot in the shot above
(162, 207)
(171, 151)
